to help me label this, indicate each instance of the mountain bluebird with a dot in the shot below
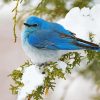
(42, 40)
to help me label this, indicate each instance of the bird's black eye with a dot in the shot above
(33, 25)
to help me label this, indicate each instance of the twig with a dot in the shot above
(15, 19)
(29, 98)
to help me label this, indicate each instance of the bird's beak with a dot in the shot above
(26, 24)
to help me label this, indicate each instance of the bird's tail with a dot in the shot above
(87, 45)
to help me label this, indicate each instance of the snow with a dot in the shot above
(75, 87)
(61, 86)
(31, 79)
(61, 65)
(35, 3)
(96, 1)
(83, 21)
(50, 6)
(81, 89)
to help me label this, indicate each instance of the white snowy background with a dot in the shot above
(75, 87)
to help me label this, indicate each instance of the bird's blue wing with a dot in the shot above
(52, 40)
(57, 38)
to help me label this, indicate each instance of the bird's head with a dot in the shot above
(33, 23)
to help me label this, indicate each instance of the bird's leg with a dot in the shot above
(41, 66)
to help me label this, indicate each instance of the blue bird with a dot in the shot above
(42, 41)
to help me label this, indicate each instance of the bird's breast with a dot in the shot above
(39, 56)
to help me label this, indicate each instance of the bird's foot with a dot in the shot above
(41, 66)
